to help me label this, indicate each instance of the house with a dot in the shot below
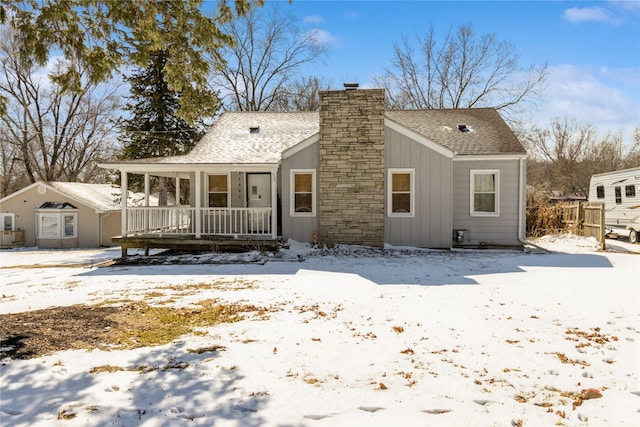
(352, 173)
(63, 215)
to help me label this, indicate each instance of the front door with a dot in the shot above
(8, 221)
(259, 196)
(258, 190)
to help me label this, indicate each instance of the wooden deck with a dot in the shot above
(190, 243)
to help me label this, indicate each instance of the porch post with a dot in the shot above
(274, 204)
(124, 195)
(146, 189)
(146, 202)
(198, 204)
(177, 191)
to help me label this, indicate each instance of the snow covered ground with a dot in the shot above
(353, 337)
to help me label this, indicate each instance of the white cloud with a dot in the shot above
(312, 19)
(588, 14)
(322, 37)
(608, 98)
(626, 76)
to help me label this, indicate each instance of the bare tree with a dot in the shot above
(460, 71)
(267, 53)
(12, 174)
(562, 148)
(565, 155)
(55, 134)
(302, 94)
(632, 159)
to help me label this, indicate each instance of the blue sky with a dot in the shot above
(592, 48)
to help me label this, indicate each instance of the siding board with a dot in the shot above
(297, 228)
(431, 226)
(497, 231)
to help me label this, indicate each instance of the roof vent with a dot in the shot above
(254, 129)
(463, 128)
(351, 86)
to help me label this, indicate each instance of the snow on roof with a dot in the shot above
(251, 138)
(260, 137)
(256, 137)
(104, 197)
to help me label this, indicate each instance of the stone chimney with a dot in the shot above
(351, 173)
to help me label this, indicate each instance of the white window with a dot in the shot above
(56, 225)
(48, 226)
(401, 193)
(69, 225)
(218, 191)
(303, 192)
(485, 192)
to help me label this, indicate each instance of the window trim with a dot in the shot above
(228, 175)
(412, 192)
(472, 174)
(292, 193)
(60, 231)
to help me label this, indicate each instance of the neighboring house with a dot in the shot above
(63, 215)
(352, 173)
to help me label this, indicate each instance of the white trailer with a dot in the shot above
(620, 193)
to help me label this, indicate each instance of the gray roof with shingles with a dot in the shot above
(229, 141)
(488, 134)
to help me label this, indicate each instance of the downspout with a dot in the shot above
(450, 231)
(522, 204)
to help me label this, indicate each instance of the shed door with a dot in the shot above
(258, 190)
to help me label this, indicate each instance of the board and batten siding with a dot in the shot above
(300, 229)
(430, 227)
(490, 231)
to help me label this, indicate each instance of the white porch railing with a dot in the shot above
(180, 220)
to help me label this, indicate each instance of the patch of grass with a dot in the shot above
(108, 325)
(210, 349)
(112, 302)
(143, 325)
(154, 294)
(221, 284)
(105, 368)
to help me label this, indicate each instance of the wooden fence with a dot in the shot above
(584, 218)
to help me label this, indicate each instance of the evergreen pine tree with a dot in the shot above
(153, 128)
